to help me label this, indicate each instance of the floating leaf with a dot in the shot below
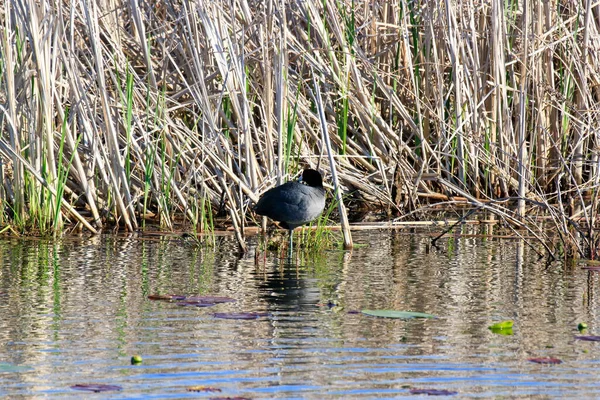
(503, 332)
(166, 297)
(202, 389)
(158, 297)
(230, 398)
(397, 314)
(196, 301)
(502, 328)
(96, 387)
(545, 360)
(590, 338)
(433, 392)
(592, 268)
(591, 262)
(501, 325)
(210, 299)
(240, 315)
(194, 304)
(5, 367)
(329, 304)
(136, 359)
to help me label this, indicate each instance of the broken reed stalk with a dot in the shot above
(219, 98)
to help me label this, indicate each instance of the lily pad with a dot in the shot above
(397, 314)
(590, 338)
(545, 360)
(96, 387)
(240, 315)
(433, 392)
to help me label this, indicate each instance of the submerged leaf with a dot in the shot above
(96, 387)
(240, 315)
(545, 360)
(433, 392)
(397, 314)
(590, 338)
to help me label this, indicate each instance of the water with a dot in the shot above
(75, 311)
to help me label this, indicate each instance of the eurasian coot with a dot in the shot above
(294, 204)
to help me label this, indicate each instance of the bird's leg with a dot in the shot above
(291, 245)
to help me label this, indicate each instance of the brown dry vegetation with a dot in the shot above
(116, 110)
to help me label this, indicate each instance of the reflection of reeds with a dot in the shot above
(173, 104)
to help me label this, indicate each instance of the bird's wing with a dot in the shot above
(281, 203)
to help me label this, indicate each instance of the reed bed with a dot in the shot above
(116, 112)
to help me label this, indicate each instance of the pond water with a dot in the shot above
(75, 312)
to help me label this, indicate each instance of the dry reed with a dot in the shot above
(163, 106)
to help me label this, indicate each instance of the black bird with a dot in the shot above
(294, 204)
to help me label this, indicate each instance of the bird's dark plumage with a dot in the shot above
(294, 204)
